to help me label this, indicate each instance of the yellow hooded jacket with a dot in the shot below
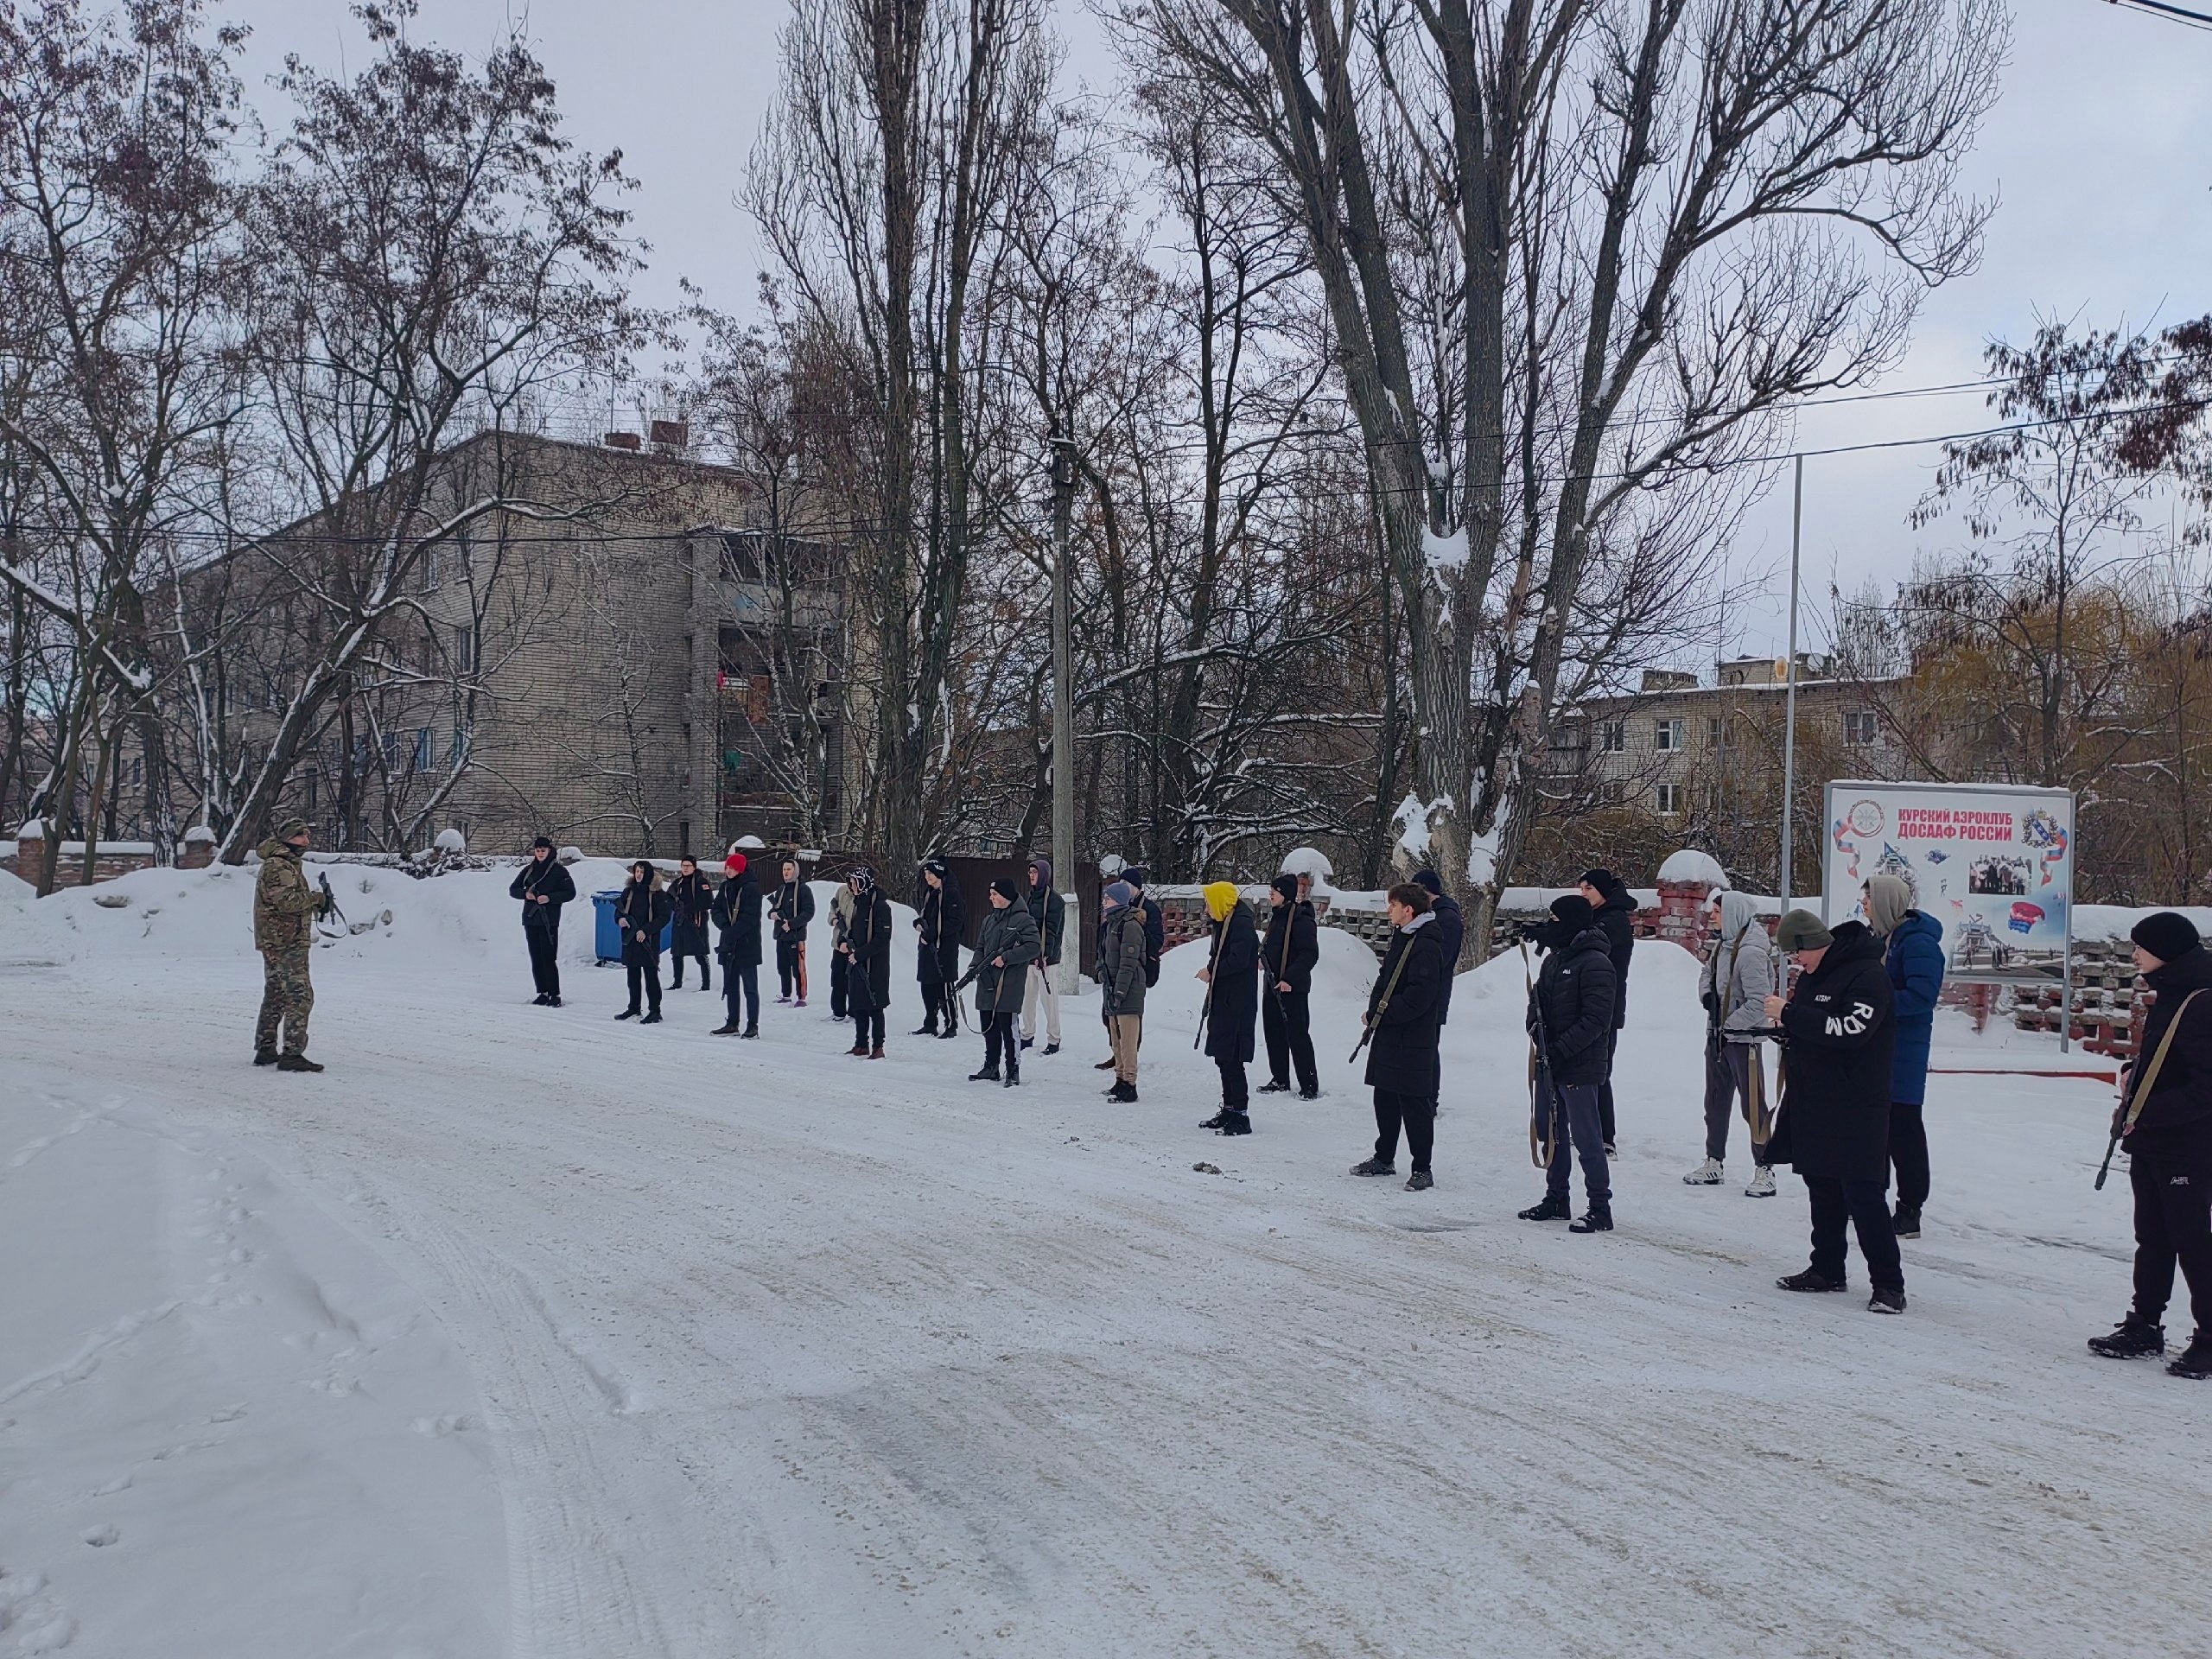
(1221, 899)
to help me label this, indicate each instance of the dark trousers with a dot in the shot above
(741, 980)
(1235, 1092)
(1734, 1073)
(545, 957)
(840, 968)
(1575, 1133)
(2173, 1224)
(787, 973)
(1606, 1088)
(1908, 1153)
(644, 975)
(1287, 1019)
(868, 1028)
(1865, 1204)
(1417, 1113)
(998, 1033)
(706, 980)
(937, 1000)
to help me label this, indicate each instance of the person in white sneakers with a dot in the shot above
(1740, 974)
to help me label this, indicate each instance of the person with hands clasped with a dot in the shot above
(543, 887)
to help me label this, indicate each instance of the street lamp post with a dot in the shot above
(1790, 695)
(1063, 695)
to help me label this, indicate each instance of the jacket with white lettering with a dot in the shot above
(1841, 1034)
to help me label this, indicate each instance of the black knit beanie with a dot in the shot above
(2166, 934)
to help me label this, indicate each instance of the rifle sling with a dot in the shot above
(2141, 1095)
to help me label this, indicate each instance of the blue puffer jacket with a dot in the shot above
(1915, 965)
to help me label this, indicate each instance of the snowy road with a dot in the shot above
(776, 1352)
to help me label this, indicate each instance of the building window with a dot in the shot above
(1861, 726)
(1670, 800)
(464, 648)
(1718, 735)
(427, 571)
(310, 787)
(1612, 737)
(459, 745)
(1667, 735)
(420, 761)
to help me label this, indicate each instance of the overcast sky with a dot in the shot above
(2099, 150)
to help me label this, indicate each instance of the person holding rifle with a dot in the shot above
(1286, 957)
(938, 924)
(1232, 1003)
(793, 909)
(690, 898)
(1005, 946)
(1120, 980)
(1838, 1031)
(736, 912)
(285, 909)
(842, 904)
(1049, 910)
(1571, 1020)
(543, 887)
(1404, 1016)
(2165, 1119)
(868, 972)
(640, 914)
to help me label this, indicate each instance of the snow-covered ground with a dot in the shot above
(520, 1331)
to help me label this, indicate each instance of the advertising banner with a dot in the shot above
(1993, 862)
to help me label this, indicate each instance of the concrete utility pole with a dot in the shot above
(1790, 695)
(1064, 708)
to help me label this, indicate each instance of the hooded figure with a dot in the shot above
(1232, 1001)
(868, 951)
(737, 929)
(543, 887)
(939, 921)
(1451, 926)
(642, 914)
(1571, 1017)
(1614, 910)
(1287, 955)
(1049, 910)
(1121, 982)
(1913, 957)
(1740, 972)
(1006, 946)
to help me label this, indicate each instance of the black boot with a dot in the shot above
(1013, 1075)
(1123, 1094)
(264, 1057)
(1419, 1181)
(2133, 1340)
(928, 1029)
(1236, 1123)
(728, 1028)
(2196, 1361)
(539, 1000)
(1217, 1119)
(988, 1074)
(1552, 1209)
(1375, 1167)
(296, 1063)
(1598, 1219)
(627, 1013)
(1272, 1087)
(1809, 1281)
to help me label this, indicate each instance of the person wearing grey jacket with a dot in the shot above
(1121, 981)
(1005, 946)
(1741, 972)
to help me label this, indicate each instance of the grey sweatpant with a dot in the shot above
(1734, 1071)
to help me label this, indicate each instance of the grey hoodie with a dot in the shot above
(1744, 964)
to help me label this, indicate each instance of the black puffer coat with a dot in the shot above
(939, 916)
(690, 900)
(542, 877)
(1006, 937)
(2183, 1094)
(1840, 1032)
(737, 921)
(793, 909)
(867, 980)
(1450, 933)
(1401, 1057)
(1577, 988)
(1234, 1003)
(641, 909)
(1617, 916)
(1292, 947)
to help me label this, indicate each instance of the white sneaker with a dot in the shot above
(1762, 1185)
(1705, 1174)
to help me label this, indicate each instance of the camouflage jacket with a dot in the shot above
(285, 901)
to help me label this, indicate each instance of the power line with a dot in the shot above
(2178, 14)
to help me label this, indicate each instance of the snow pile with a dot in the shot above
(32, 933)
(2117, 921)
(1309, 861)
(1690, 867)
(450, 841)
(1444, 553)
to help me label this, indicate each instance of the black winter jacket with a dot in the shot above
(1050, 911)
(939, 917)
(1617, 916)
(737, 921)
(691, 898)
(793, 909)
(641, 909)
(550, 878)
(2183, 1091)
(867, 979)
(1577, 988)
(1234, 1002)
(1005, 936)
(1450, 933)
(1839, 1033)
(1291, 949)
(1401, 1057)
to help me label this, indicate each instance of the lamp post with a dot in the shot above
(1790, 695)
(1063, 691)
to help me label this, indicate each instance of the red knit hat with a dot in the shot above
(735, 864)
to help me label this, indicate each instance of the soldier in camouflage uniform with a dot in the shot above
(285, 906)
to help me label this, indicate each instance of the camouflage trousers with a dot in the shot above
(287, 998)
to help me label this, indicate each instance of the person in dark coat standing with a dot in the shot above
(1050, 911)
(737, 929)
(1614, 907)
(1404, 1015)
(867, 959)
(938, 923)
(1120, 972)
(1839, 1034)
(792, 909)
(543, 887)
(1288, 953)
(1232, 980)
(640, 914)
(1571, 1020)
(1913, 958)
(842, 903)
(1006, 946)
(2165, 1120)
(1450, 931)
(690, 896)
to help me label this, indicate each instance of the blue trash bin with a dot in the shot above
(607, 937)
